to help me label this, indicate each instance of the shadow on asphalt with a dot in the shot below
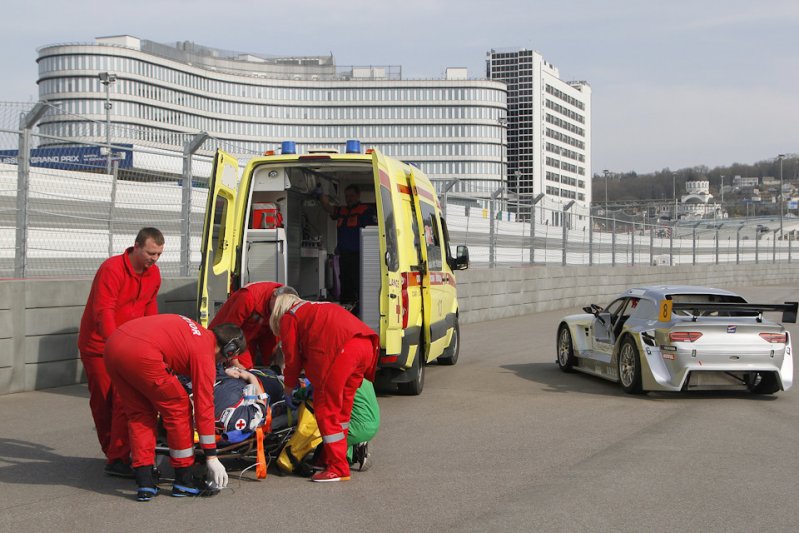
(575, 382)
(75, 391)
(29, 463)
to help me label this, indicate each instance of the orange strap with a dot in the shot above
(260, 470)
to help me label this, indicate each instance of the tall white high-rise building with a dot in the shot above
(162, 94)
(548, 127)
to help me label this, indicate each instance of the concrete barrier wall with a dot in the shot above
(39, 322)
(39, 319)
(490, 294)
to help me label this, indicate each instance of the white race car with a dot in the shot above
(680, 338)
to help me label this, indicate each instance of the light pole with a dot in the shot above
(781, 157)
(607, 173)
(565, 223)
(107, 79)
(503, 166)
(674, 194)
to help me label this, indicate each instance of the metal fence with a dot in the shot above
(63, 212)
(608, 239)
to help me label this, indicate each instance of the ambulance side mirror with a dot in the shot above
(461, 261)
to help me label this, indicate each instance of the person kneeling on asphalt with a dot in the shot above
(143, 357)
(337, 351)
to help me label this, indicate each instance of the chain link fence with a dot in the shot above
(65, 206)
(563, 233)
(69, 205)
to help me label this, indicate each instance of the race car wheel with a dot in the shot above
(629, 367)
(764, 383)
(450, 355)
(566, 359)
(415, 386)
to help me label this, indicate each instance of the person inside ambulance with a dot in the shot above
(143, 357)
(337, 351)
(350, 218)
(125, 287)
(248, 308)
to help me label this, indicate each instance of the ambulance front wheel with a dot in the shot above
(450, 355)
(416, 384)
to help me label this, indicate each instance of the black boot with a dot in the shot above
(186, 486)
(144, 479)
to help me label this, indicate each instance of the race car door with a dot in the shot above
(217, 250)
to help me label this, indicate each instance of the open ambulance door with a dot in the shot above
(218, 249)
(422, 269)
(393, 308)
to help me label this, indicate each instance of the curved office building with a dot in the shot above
(164, 94)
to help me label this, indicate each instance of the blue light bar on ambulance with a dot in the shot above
(353, 147)
(288, 147)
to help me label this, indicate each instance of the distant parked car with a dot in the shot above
(680, 338)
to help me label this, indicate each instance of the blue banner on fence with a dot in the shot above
(73, 157)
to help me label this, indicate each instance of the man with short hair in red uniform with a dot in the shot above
(125, 287)
(248, 308)
(143, 357)
(337, 352)
(350, 218)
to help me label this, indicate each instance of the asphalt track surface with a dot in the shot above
(503, 441)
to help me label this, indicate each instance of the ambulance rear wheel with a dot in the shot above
(450, 355)
(415, 386)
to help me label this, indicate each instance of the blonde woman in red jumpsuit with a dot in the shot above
(337, 352)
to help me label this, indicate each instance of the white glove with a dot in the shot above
(216, 473)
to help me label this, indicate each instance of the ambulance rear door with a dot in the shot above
(422, 268)
(218, 247)
(391, 303)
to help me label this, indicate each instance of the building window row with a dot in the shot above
(255, 111)
(268, 129)
(562, 137)
(555, 149)
(566, 125)
(552, 162)
(122, 65)
(565, 97)
(566, 180)
(135, 132)
(564, 111)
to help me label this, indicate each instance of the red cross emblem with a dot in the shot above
(240, 424)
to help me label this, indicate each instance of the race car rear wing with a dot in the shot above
(788, 309)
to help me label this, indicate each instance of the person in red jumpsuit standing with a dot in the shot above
(125, 287)
(337, 352)
(143, 357)
(249, 309)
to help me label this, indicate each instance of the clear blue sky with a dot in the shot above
(675, 83)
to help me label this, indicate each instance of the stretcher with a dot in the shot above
(261, 448)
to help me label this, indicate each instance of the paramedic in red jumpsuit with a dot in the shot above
(125, 287)
(248, 308)
(142, 358)
(337, 351)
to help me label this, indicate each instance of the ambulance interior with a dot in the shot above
(291, 238)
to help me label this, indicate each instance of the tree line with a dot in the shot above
(661, 184)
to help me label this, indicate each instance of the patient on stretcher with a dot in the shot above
(246, 400)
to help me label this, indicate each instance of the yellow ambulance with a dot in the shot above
(275, 224)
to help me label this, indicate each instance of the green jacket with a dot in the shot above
(365, 418)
